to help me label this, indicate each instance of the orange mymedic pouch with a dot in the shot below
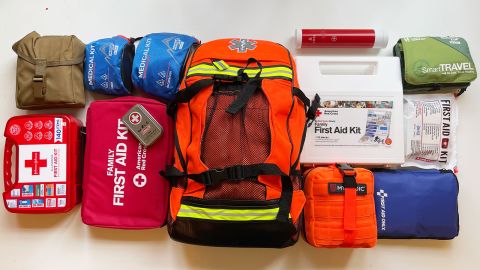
(340, 207)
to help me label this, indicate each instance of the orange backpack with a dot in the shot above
(340, 208)
(240, 124)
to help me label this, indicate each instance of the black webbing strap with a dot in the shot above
(312, 107)
(185, 95)
(248, 89)
(246, 93)
(286, 196)
(239, 172)
(349, 180)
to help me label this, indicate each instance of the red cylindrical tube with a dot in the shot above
(341, 38)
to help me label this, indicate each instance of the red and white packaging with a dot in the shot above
(48, 163)
(122, 185)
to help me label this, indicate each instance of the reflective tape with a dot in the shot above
(227, 214)
(222, 68)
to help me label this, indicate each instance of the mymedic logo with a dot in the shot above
(242, 45)
(91, 65)
(446, 126)
(338, 188)
(383, 214)
(143, 60)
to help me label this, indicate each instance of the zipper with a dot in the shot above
(230, 204)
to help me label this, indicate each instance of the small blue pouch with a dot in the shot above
(108, 66)
(159, 62)
(416, 204)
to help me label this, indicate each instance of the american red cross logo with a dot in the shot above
(318, 113)
(135, 118)
(36, 163)
(139, 180)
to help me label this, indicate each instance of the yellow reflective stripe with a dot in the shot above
(227, 214)
(207, 69)
(221, 65)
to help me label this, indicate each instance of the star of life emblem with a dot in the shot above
(242, 45)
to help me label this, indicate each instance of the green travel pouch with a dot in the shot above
(435, 64)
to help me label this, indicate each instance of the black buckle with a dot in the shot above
(312, 110)
(349, 180)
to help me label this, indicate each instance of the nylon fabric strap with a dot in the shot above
(221, 65)
(285, 202)
(215, 176)
(185, 95)
(39, 83)
(350, 206)
(242, 99)
(265, 72)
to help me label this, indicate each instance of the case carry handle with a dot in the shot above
(7, 164)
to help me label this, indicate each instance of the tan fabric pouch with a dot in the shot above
(49, 71)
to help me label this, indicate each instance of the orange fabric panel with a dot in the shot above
(194, 189)
(198, 109)
(279, 95)
(339, 220)
(296, 125)
(228, 50)
(175, 201)
(298, 201)
(273, 185)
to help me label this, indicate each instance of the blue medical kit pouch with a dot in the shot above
(416, 204)
(159, 62)
(108, 66)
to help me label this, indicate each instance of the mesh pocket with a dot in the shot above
(240, 139)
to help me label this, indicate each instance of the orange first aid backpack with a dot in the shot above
(240, 125)
(340, 208)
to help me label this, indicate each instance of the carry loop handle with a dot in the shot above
(350, 203)
(7, 164)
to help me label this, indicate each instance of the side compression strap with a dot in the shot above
(285, 199)
(312, 107)
(239, 172)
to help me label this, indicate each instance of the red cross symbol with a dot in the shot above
(135, 118)
(318, 113)
(139, 180)
(36, 163)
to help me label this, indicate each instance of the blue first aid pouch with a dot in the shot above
(159, 61)
(108, 66)
(416, 204)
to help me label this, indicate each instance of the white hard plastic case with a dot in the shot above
(361, 116)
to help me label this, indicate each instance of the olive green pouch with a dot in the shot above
(435, 64)
(49, 72)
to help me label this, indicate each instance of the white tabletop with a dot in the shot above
(63, 242)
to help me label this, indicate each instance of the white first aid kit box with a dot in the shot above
(360, 119)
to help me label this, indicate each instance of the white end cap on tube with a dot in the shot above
(381, 38)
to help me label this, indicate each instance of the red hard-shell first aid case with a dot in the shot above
(47, 164)
(122, 185)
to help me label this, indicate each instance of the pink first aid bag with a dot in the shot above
(122, 185)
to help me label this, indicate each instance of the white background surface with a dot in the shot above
(63, 242)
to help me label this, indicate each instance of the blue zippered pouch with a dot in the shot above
(159, 61)
(108, 66)
(416, 204)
